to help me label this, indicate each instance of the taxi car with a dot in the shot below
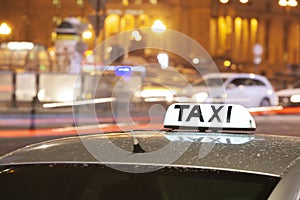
(247, 89)
(204, 151)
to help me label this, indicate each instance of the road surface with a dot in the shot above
(11, 139)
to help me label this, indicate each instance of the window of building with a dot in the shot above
(127, 22)
(80, 3)
(143, 21)
(56, 20)
(112, 25)
(233, 37)
(56, 3)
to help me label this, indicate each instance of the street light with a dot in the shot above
(244, 1)
(224, 1)
(4, 29)
(87, 35)
(158, 26)
(227, 1)
(291, 3)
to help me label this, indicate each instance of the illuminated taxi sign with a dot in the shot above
(224, 117)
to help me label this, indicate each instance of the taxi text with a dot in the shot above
(196, 112)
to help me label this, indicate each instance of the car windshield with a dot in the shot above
(96, 182)
(210, 82)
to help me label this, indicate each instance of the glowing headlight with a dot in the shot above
(201, 97)
(295, 98)
(41, 94)
(269, 92)
(157, 94)
(65, 95)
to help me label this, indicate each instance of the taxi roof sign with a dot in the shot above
(202, 117)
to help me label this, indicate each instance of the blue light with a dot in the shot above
(123, 71)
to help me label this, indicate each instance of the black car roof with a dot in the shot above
(262, 154)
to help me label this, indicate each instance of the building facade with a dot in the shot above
(258, 36)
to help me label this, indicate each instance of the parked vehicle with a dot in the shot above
(247, 89)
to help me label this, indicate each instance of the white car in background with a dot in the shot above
(247, 89)
(291, 96)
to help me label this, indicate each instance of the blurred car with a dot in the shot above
(290, 96)
(247, 89)
(214, 165)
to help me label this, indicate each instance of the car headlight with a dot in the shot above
(157, 95)
(201, 96)
(295, 98)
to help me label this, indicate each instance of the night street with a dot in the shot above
(10, 139)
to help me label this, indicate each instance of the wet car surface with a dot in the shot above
(257, 153)
(268, 160)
